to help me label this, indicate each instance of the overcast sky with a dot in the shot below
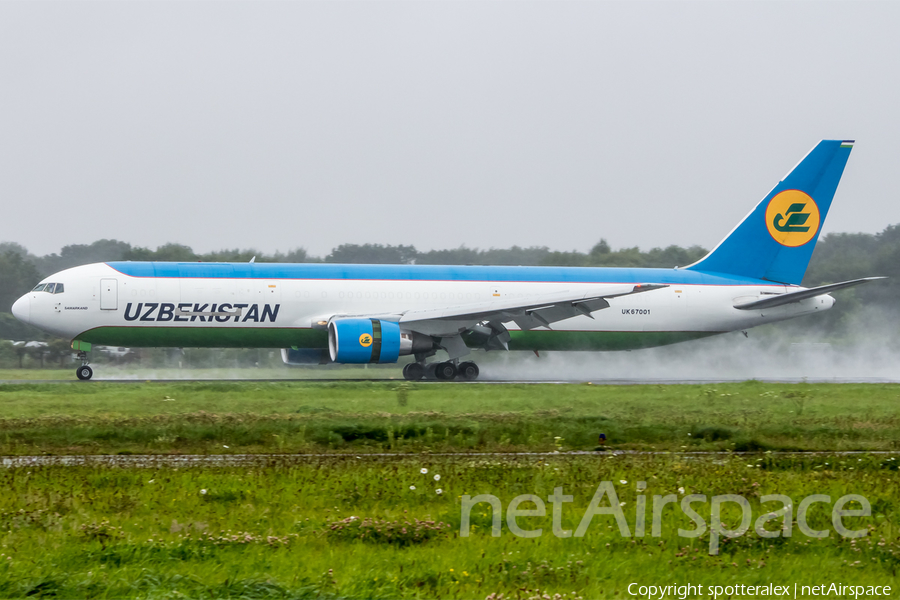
(437, 124)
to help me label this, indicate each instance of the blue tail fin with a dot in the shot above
(776, 240)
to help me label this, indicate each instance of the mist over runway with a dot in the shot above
(799, 356)
(835, 380)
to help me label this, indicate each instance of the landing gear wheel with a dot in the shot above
(413, 372)
(430, 371)
(84, 373)
(467, 371)
(445, 371)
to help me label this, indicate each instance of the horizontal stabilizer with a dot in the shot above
(797, 296)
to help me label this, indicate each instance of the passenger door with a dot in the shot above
(109, 294)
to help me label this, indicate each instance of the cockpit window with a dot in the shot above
(50, 288)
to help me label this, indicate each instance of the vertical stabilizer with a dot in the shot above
(776, 240)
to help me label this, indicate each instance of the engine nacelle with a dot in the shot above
(358, 341)
(305, 356)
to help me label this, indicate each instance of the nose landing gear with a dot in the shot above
(443, 371)
(84, 372)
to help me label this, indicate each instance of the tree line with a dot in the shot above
(838, 257)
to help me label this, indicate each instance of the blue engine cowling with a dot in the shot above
(359, 341)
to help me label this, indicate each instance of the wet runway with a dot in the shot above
(152, 461)
(648, 381)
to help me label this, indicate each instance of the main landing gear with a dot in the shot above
(443, 371)
(84, 372)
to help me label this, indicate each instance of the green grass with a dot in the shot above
(282, 529)
(266, 532)
(352, 417)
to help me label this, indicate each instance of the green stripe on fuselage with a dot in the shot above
(282, 337)
(206, 337)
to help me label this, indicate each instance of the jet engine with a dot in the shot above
(357, 341)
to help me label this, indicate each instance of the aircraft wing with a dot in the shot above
(527, 313)
(799, 295)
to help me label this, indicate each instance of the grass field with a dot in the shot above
(292, 417)
(269, 532)
(287, 530)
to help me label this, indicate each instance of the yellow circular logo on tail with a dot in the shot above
(365, 340)
(792, 218)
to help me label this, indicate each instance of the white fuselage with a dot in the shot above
(103, 305)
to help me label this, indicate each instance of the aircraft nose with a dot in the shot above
(22, 308)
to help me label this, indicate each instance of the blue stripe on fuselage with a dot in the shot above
(427, 273)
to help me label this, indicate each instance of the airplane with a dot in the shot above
(358, 314)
